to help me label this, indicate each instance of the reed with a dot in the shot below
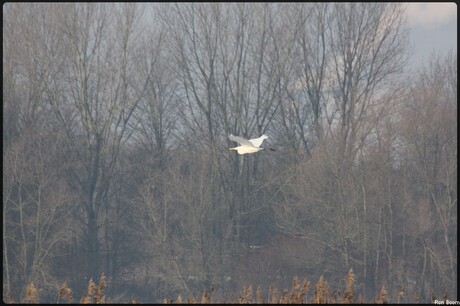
(259, 297)
(381, 297)
(99, 294)
(297, 294)
(246, 296)
(31, 294)
(95, 294)
(349, 288)
(65, 294)
(321, 292)
(205, 297)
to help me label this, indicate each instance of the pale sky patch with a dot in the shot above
(430, 15)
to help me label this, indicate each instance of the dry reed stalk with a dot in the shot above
(292, 296)
(94, 294)
(132, 301)
(295, 282)
(272, 293)
(205, 298)
(259, 297)
(297, 291)
(349, 288)
(284, 299)
(91, 287)
(360, 299)
(336, 297)
(299, 298)
(382, 297)
(246, 296)
(296, 294)
(179, 299)
(99, 294)
(320, 291)
(65, 293)
(87, 297)
(191, 300)
(31, 294)
(306, 286)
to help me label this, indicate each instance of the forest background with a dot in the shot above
(116, 160)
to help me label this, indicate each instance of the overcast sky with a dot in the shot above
(433, 27)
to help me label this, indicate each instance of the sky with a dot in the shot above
(433, 28)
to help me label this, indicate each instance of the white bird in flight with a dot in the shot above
(247, 146)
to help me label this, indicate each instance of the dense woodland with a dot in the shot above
(115, 150)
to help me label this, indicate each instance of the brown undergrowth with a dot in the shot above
(299, 293)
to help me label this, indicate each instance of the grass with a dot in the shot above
(299, 293)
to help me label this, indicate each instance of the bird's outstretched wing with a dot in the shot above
(241, 141)
(257, 141)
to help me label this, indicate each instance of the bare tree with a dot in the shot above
(156, 116)
(301, 114)
(428, 127)
(36, 203)
(361, 53)
(94, 101)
